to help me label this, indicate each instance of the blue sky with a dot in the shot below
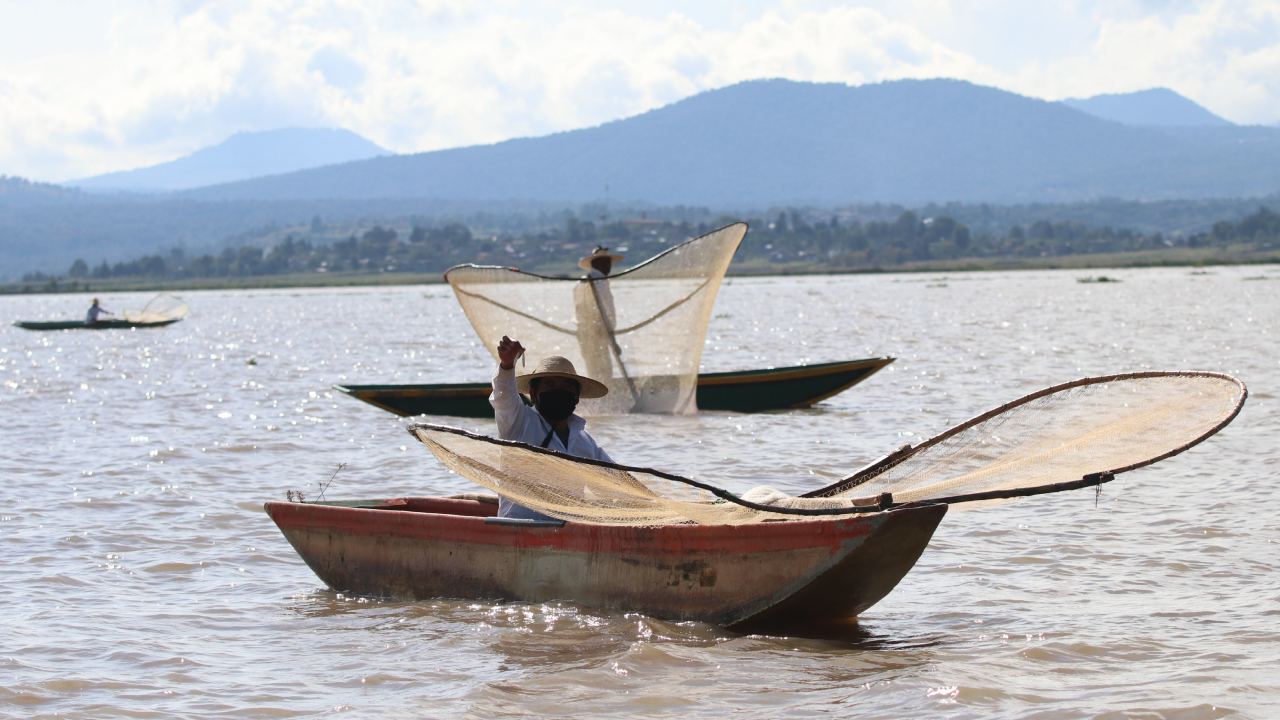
(92, 87)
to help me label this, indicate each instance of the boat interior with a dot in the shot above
(465, 505)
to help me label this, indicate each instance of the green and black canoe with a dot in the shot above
(82, 325)
(739, 391)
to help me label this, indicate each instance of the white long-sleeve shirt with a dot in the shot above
(519, 422)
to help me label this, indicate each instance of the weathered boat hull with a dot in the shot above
(769, 575)
(82, 325)
(739, 391)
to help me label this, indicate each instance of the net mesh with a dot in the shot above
(574, 489)
(159, 309)
(640, 331)
(1058, 435)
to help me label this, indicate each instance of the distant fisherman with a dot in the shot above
(554, 386)
(91, 317)
(596, 316)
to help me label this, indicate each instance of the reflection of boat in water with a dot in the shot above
(738, 391)
(82, 325)
(161, 311)
(771, 574)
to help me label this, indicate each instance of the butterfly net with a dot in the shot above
(640, 331)
(1058, 435)
(1074, 435)
(160, 309)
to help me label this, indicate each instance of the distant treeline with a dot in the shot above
(44, 228)
(788, 239)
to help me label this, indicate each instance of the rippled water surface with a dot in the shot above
(142, 578)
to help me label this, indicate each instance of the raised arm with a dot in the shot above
(508, 352)
(515, 419)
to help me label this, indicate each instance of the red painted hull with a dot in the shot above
(767, 575)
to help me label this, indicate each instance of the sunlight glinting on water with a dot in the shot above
(143, 576)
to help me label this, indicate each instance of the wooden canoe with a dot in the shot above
(766, 576)
(738, 391)
(82, 325)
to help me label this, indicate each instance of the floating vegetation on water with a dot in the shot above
(1098, 279)
(1202, 272)
(1258, 277)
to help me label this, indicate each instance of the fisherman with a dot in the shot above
(596, 316)
(554, 386)
(96, 309)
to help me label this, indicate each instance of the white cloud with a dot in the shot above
(1223, 55)
(168, 77)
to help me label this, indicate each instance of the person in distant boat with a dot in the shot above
(554, 386)
(596, 316)
(95, 310)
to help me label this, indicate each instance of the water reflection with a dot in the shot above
(135, 465)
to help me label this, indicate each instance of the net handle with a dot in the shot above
(889, 461)
(883, 502)
(628, 271)
(718, 492)
(613, 343)
(1090, 480)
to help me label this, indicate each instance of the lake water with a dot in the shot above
(142, 579)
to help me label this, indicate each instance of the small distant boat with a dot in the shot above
(738, 391)
(100, 325)
(770, 575)
(162, 310)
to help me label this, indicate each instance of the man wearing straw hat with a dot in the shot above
(554, 386)
(596, 316)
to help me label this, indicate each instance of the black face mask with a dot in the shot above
(556, 405)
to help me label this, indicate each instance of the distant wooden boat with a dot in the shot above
(82, 325)
(738, 391)
(770, 575)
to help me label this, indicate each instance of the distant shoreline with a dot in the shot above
(1177, 257)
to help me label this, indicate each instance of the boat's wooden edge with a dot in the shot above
(869, 555)
(734, 377)
(793, 372)
(448, 390)
(354, 515)
(52, 325)
(858, 580)
(871, 369)
(393, 503)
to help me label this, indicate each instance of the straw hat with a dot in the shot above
(556, 366)
(600, 252)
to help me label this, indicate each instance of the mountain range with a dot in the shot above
(1153, 107)
(241, 156)
(771, 142)
(740, 149)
